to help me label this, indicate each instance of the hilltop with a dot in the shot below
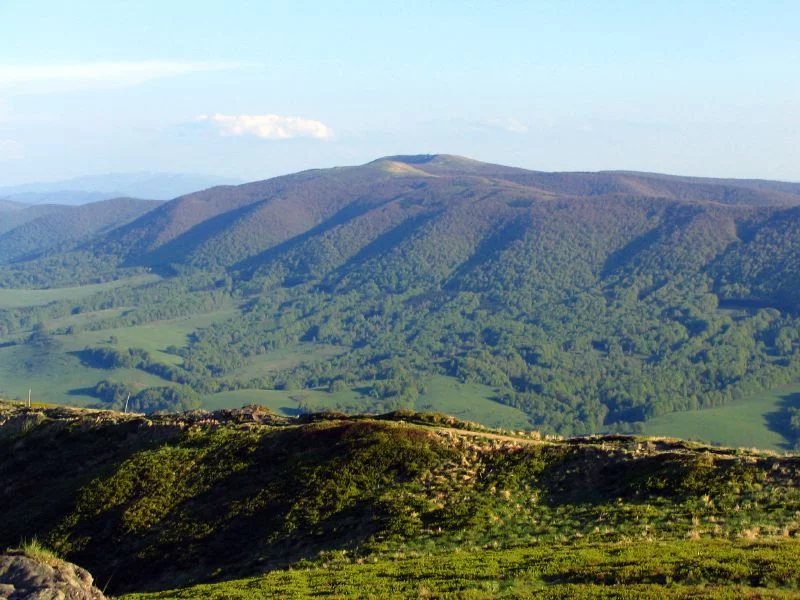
(163, 501)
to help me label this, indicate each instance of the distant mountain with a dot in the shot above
(10, 205)
(14, 214)
(60, 197)
(93, 188)
(48, 227)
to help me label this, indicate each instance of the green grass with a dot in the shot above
(176, 503)
(83, 319)
(677, 569)
(286, 358)
(469, 402)
(60, 378)
(281, 401)
(34, 549)
(152, 337)
(744, 423)
(17, 298)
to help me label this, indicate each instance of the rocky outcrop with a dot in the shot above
(23, 576)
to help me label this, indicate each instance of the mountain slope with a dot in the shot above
(10, 205)
(61, 197)
(61, 226)
(21, 214)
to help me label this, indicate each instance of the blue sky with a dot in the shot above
(255, 89)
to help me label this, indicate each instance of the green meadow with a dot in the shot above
(286, 358)
(17, 298)
(59, 377)
(749, 422)
(468, 402)
(153, 337)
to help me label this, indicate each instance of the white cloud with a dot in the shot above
(270, 127)
(10, 150)
(81, 75)
(510, 125)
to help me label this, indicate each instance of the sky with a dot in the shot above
(254, 89)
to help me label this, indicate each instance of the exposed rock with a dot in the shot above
(22, 576)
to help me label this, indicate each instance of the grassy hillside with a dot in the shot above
(150, 503)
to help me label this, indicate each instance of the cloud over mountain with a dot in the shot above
(270, 127)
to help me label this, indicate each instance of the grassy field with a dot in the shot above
(281, 401)
(744, 423)
(153, 337)
(17, 298)
(57, 378)
(468, 402)
(60, 378)
(83, 319)
(678, 569)
(286, 358)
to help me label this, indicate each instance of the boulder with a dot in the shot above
(45, 578)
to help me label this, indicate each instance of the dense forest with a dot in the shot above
(589, 301)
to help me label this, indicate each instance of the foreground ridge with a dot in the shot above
(162, 501)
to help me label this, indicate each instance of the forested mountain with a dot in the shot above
(226, 225)
(587, 301)
(50, 227)
(13, 214)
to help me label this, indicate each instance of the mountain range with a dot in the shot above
(93, 188)
(586, 301)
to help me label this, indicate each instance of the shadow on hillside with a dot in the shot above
(778, 420)
(52, 465)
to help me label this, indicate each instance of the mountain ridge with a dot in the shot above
(316, 195)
